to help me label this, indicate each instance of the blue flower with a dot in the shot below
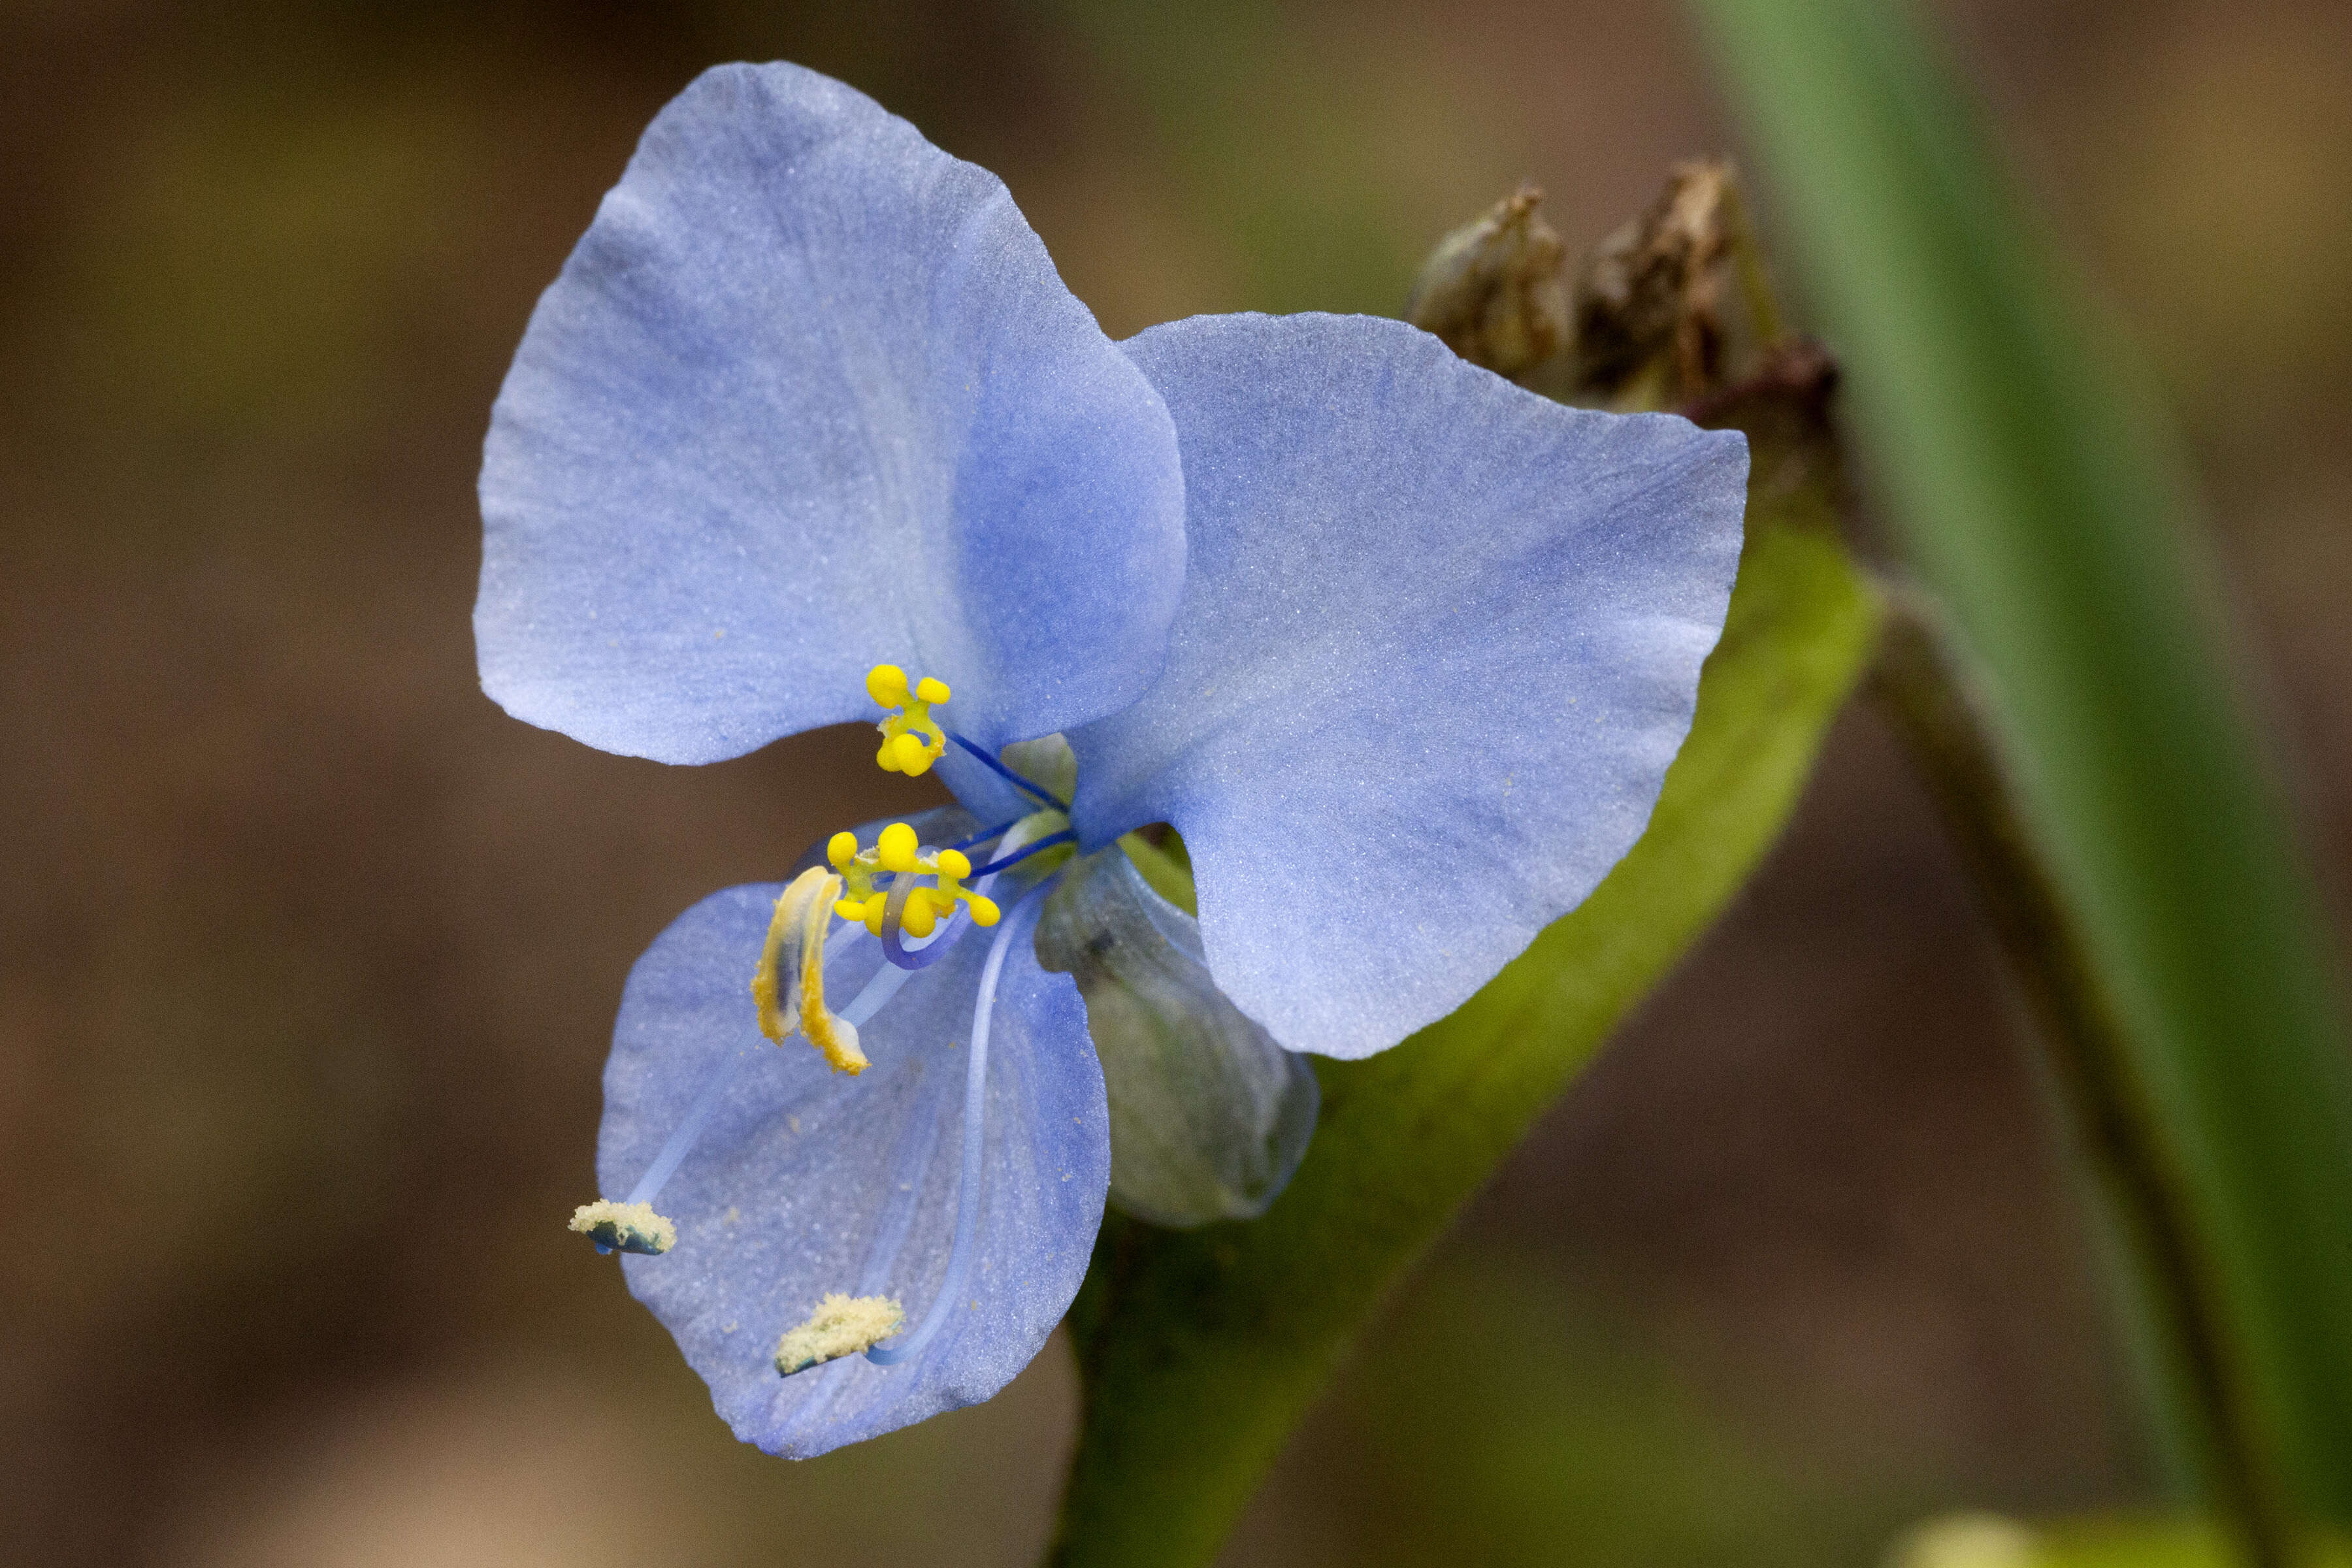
(1401, 650)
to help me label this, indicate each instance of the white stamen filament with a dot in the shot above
(1023, 916)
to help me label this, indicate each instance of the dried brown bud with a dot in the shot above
(1492, 288)
(1653, 289)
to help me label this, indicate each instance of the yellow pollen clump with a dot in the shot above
(625, 1227)
(790, 979)
(841, 1325)
(911, 739)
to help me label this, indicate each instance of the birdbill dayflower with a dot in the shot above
(809, 428)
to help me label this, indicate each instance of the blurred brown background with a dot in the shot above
(308, 954)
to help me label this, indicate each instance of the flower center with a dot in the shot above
(898, 854)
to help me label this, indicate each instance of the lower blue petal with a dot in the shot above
(808, 1182)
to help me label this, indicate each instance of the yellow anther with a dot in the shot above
(911, 739)
(841, 849)
(949, 867)
(791, 961)
(897, 847)
(910, 756)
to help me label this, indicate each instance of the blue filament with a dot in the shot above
(905, 959)
(1067, 836)
(975, 1107)
(1027, 787)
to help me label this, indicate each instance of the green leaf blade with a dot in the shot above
(2042, 499)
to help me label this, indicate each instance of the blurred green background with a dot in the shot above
(308, 954)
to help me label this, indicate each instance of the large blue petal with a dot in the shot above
(808, 1182)
(809, 396)
(1440, 639)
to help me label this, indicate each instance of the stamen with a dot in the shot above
(879, 887)
(796, 946)
(975, 1108)
(911, 739)
(1039, 791)
(983, 910)
(897, 854)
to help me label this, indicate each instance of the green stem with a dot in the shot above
(1919, 687)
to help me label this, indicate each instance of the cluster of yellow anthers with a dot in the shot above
(788, 986)
(911, 739)
(897, 850)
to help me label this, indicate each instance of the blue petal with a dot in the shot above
(809, 396)
(808, 1182)
(1439, 641)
